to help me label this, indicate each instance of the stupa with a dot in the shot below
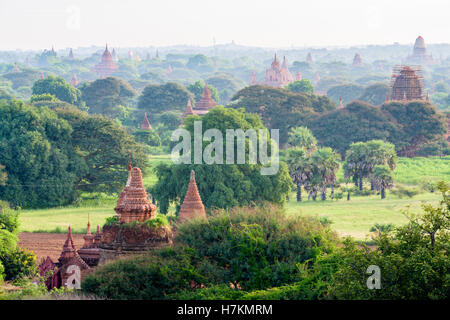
(74, 80)
(407, 83)
(106, 67)
(192, 207)
(71, 54)
(309, 58)
(145, 125)
(125, 237)
(187, 112)
(357, 61)
(420, 54)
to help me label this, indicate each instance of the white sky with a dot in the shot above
(38, 24)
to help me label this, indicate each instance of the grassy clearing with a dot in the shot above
(353, 217)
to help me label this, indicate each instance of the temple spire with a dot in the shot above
(192, 207)
(145, 123)
(341, 106)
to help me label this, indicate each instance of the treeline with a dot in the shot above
(410, 126)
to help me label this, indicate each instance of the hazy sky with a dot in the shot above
(38, 24)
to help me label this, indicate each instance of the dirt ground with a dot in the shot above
(47, 244)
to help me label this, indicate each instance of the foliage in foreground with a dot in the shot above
(250, 248)
(262, 254)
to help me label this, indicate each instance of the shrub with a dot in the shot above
(401, 192)
(153, 276)
(18, 263)
(257, 247)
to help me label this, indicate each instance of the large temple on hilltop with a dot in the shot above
(420, 54)
(407, 84)
(276, 76)
(119, 239)
(202, 107)
(106, 67)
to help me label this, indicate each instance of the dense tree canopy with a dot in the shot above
(348, 92)
(107, 96)
(38, 155)
(167, 97)
(58, 87)
(375, 93)
(303, 85)
(222, 185)
(281, 109)
(358, 121)
(104, 147)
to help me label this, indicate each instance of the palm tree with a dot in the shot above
(299, 168)
(381, 228)
(326, 164)
(382, 178)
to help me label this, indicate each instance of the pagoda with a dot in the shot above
(74, 80)
(106, 67)
(90, 252)
(309, 58)
(206, 102)
(192, 207)
(134, 205)
(316, 78)
(71, 54)
(357, 61)
(420, 55)
(298, 76)
(16, 68)
(407, 83)
(145, 123)
(187, 112)
(42, 75)
(114, 55)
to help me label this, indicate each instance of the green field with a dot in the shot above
(353, 217)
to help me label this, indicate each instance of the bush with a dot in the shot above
(257, 247)
(18, 263)
(154, 276)
(2, 272)
(401, 192)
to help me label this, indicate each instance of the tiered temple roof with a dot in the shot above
(133, 204)
(106, 67)
(192, 207)
(206, 102)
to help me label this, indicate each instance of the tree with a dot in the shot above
(358, 121)
(382, 228)
(58, 87)
(108, 96)
(3, 175)
(325, 163)
(419, 123)
(362, 157)
(375, 94)
(280, 108)
(383, 179)
(38, 156)
(197, 88)
(303, 85)
(348, 92)
(300, 168)
(160, 98)
(222, 185)
(104, 148)
(226, 84)
(302, 137)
